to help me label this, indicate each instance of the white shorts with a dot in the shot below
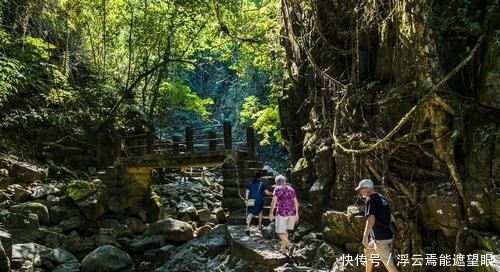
(284, 223)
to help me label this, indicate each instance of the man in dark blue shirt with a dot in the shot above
(377, 236)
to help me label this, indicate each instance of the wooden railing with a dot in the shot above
(191, 140)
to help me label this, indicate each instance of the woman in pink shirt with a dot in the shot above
(287, 212)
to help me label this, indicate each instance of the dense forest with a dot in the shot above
(403, 92)
(77, 73)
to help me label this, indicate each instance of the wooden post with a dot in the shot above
(119, 144)
(149, 142)
(189, 139)
(175, 144)
(228, 138)
(212, 141)
(250, 140)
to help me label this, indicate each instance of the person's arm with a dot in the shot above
(370, 221)
(267, 192)
(296, 202)
(273, 206)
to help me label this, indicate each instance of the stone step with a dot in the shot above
(238, 191)
(237, 203)
(241, 173)
(238, 217)
(264, 253)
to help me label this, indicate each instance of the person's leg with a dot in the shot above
(260, 220)
(384, 249)
(284, 241)
(249, 221)
(369, 263)
(281, 230)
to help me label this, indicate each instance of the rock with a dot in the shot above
(6, 240)
(74, 223)
(187, 208)
(17, 193)
(172, 230)
(4, 259)
(31, 252)
(203, 230)
(339, 229)
(445, 211)
(166, 252)
(60, 256)
(90, 197)
(148, 242)
(106, 259)
(155, 207)
(203, 215)
(76, 245)
(34, 207)
(195, 255)
(51, 236)
(269, 231)
(135, 225)
(43, 190)
(26, 173)
(67, 267)
(326, 254)
(221, 215)
(22, 226)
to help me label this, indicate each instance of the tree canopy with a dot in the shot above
(86, 66)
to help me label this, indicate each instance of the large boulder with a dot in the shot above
(339, 228)
(90, 197)
(106, 259)
(442, 212)
(33, 207)
(172, 230)
(22, 172)
(23, 226)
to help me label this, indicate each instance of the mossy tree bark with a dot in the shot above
(383, 84)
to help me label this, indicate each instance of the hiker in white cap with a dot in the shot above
(378, 235)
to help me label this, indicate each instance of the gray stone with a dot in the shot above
(106, 259)
(67, 267)
(166, 252)
(148, 242)
(4, 259)
(90, 197)
(171, 229)
(34, 207)
(60, 256)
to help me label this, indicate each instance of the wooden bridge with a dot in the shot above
(202, 146)
(194, 147)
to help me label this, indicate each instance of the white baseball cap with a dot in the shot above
(366, 183)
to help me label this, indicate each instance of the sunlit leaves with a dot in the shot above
(265, 119)
(176, 95)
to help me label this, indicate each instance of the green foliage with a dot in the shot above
(177, 96)
(265, 119)
(142, 63)
(465, 14)
(9, 77)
